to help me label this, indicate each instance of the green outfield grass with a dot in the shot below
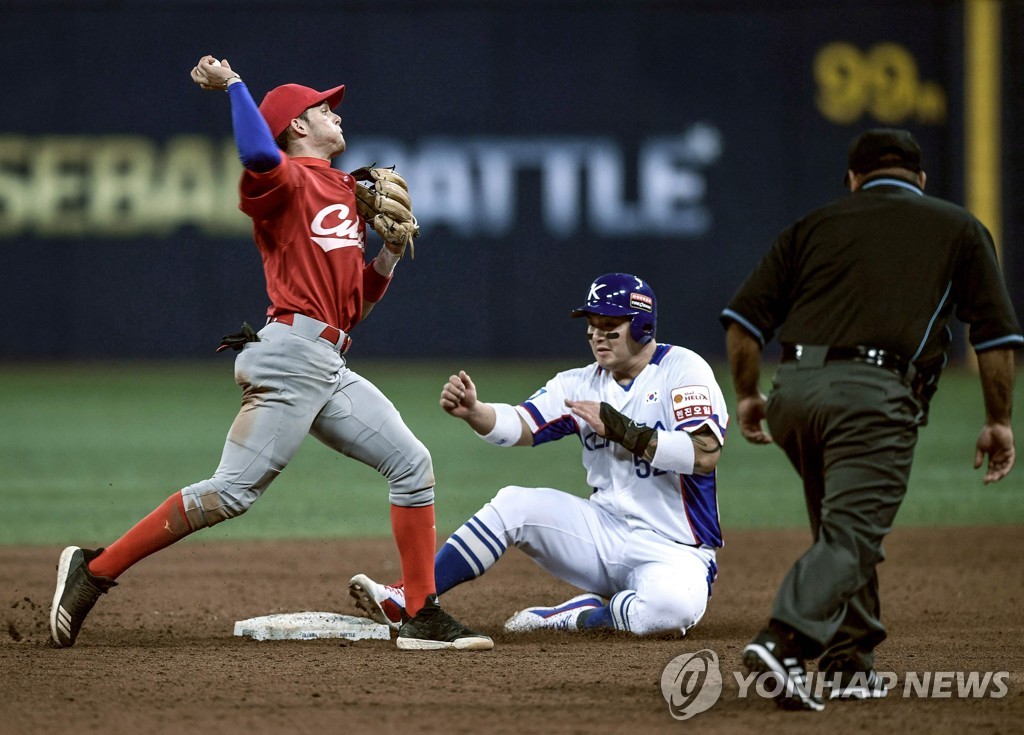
(88, 449)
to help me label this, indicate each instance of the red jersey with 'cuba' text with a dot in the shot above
(311, 239)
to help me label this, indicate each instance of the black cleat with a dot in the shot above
(855, 684)
(432, 629)
(77, 592)
(768, 653)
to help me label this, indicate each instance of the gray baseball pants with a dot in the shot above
(295, 383)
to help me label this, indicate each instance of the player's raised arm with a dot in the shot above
(497, 423)
(256, 147)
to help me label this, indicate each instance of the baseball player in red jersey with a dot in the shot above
(294, 378)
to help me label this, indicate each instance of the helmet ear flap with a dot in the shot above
(641, 328)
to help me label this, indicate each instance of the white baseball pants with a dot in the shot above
(655, 585)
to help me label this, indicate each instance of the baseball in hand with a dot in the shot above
(214, 63)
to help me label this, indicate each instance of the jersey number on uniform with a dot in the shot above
(643, 468)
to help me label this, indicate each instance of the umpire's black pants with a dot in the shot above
(850, 430)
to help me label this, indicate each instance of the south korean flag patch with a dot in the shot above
(691, 402)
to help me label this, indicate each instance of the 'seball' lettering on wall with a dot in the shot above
(118, 186)
(124, 186)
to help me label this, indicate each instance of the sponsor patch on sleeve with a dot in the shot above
(691, 402)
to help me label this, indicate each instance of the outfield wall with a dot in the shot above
(545, 143)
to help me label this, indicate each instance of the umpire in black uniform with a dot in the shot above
(860, 293)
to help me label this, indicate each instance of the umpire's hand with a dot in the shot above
(996, 441)
(750, 412)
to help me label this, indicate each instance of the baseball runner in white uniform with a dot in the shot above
(651, 420)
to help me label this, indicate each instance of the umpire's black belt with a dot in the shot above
(869, 355)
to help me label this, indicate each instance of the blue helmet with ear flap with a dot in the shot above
(620, 294)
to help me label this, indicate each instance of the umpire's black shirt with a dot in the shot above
(883, 267)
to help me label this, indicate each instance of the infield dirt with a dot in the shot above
(158, 655)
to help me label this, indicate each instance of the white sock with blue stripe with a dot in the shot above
(619, 605)
(613, 615)
(470, 551)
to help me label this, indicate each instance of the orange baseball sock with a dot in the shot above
(416, 538)
(161, 528)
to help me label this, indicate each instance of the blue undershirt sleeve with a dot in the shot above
(256, 146)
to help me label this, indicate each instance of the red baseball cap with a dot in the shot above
(283, 104)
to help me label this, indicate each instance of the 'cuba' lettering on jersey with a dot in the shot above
(344, 234)
(690, 402)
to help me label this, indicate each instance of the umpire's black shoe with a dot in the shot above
(768, 652)
(432, 628)
(845, 684)
(77, 591)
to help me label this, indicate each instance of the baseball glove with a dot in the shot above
(385, 204)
